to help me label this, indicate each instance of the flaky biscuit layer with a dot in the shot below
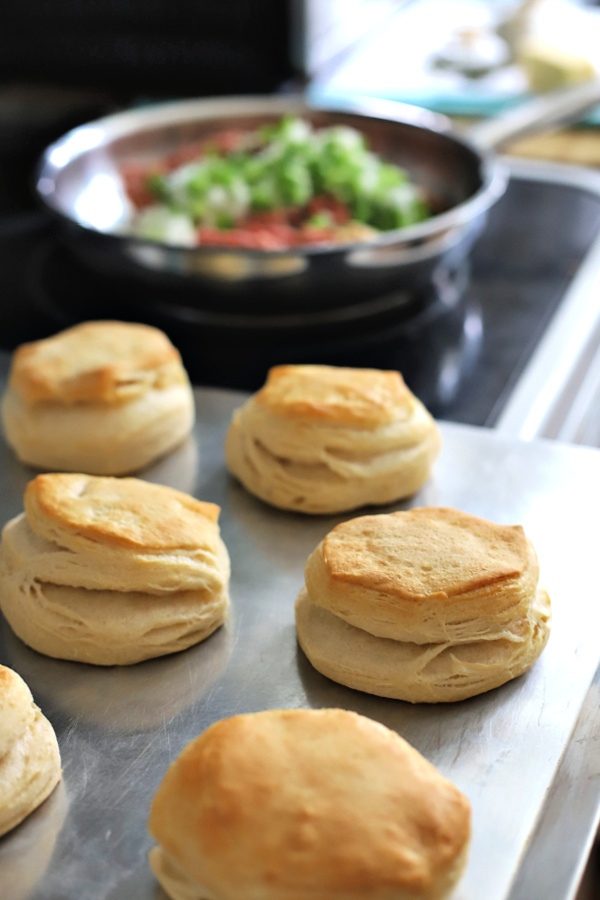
(112, 571)
(17, 709)
(30, 759)
(322, 464)
(174, 879)
(96, 567)
(108, 628)
(98, 438)
(420, 673)
(306, 805)
(115, 534)
(181, 886)
(425, 575)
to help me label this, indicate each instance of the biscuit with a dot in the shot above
(29, 755)
(428, 605)
(112, 571)
(321, 439)
(417, 673)
(306, 805)
(105, 398)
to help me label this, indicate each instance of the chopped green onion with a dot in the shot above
(294, 164)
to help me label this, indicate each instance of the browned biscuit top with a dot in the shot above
(120, 512)
(367, 397)
(311, 802)
(425, 552)
(94, 361)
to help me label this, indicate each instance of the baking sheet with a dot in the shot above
(118, 728)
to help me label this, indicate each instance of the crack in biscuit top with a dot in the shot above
(361, 397)
(105, 362)
(425, 553)
(119, 512)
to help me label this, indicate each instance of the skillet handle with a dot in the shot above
(544, 112)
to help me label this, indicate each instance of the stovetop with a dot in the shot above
(462, 353)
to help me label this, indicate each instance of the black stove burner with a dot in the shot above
(460, 352)
(235, 351)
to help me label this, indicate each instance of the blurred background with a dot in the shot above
(65, 61)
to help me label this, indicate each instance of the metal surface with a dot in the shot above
(118, 728)
(566, 831)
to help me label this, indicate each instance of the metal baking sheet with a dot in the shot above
(119, 728)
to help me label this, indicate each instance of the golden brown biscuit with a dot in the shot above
(309, 805)
(101, 397)
(321, 439)
(425, 575)
(427, 605)
(112, 571)
(29, 755)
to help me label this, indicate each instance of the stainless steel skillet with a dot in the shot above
(79, 181)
